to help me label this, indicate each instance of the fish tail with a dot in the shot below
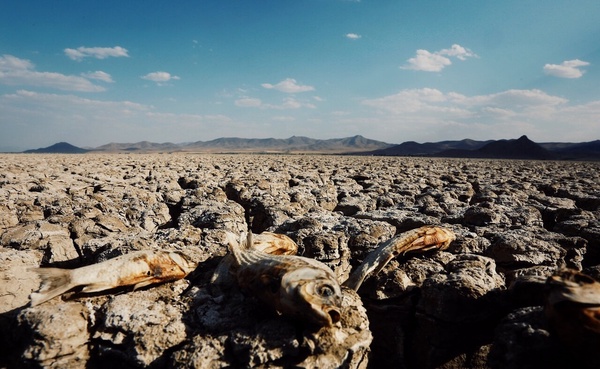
(55, 282)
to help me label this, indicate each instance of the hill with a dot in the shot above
(521, 148)
(411, 148)
(58, 148)
(575, 151)
(292, 144)
(138, 146)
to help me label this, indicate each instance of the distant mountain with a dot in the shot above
(579, 151)
(138, 146)
(235, 144)
(521, 148)
(292, 144)
(411, 148)
(58, 148)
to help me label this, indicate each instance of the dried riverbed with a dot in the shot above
(477, 304)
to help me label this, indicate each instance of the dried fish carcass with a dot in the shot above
(293, 285)
(137, 269)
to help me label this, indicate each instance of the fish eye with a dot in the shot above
(325, 291)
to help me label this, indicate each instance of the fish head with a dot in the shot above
(573, 286)
(311, 294)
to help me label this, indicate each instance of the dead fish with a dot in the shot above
(421, 239)
(293, 285)
(140, 269)
(572, 310)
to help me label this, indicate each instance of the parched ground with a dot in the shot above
(477, 304)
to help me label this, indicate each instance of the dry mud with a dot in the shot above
(476, 305)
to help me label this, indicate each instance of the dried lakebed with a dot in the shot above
(477, 304)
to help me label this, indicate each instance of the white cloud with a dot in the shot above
(287, 104)
(36, 119)
(566, 69)
(429, 100)
(427, 62)
(290, 103)
(12, 63)
(430, 114)
(353, 36)
(511, 99)
(247, 102)
(458, 51)
(288, 85)
(283, 118)
(99, 75)
(408, 101)
(96, 52)
(160, 77)
(21, 72)
(40, 119)
(436, 61)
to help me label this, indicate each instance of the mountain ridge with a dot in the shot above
(521, 148)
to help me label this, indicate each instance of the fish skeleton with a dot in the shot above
(421, 239)
(140, 269)
(293, 285)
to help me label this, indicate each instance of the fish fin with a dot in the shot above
(248, 244)
(142, 284)
(96, 287)
(233, 244)
(55, 282)
(238, 244)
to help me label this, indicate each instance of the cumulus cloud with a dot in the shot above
(436, 61)
(425, 100)
(430, 113)
(287, 103)
(353, 36)
(12, 63)
(99, 75)
(566, 69)
(283, 118)
(288, 85)
(84, 121)
(15, 71)
(413, 101)
(160, 77)
(290, 103)
(96, 52)
(248, 102)
(458, 51)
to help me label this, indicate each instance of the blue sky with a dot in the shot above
(94, 72)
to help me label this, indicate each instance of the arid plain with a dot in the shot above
(478, 304)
